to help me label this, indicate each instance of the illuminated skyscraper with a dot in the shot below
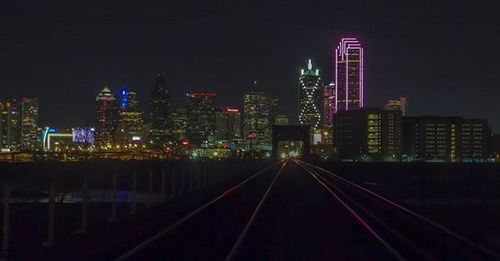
(9, 125)
(328, 104)
(105, 117)
(258, 118)
(310, 97)
(29, 123)
(228, 124)
(130, 121)
(161, 122)
(349, 75)
(200, 117)
(179, 124)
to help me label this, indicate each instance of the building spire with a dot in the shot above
(309, 65)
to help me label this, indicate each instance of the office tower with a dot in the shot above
(105, 118)
(29, 123)
(9, 125)
(474, 140)
(328, 104)
(228, 124)
(179, 124)
(258, 118)
(400, 104)
(349, 75)
(367, 134)
(437, 138)
(161, 122)
(200, 117)
(281, 120)
(130, 121)
(310, 97)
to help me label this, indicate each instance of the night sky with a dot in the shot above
(443, 55)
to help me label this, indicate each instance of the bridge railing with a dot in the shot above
(114, 183)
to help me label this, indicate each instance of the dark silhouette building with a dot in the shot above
(495, 147)
(453, 139)
(9, 125)
(200, 117)
(367, 134)
(161, 112)
(399, 104)
(29, 123)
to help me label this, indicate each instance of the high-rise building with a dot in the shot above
(349, 75)
(228, 124)
(200, 117)
(161, 122)
(400, 104)
(367, 134)
(258, 118)
(29, 123)
(474, 140)
(129, 121)
(328, 105)
(436, 138)
(281, 120)
(9, 125)
(179, 124)
(105, 118)
(310, 97)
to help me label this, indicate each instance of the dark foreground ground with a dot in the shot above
(288, 212)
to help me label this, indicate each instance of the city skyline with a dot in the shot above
(249, 130)
(401, 62)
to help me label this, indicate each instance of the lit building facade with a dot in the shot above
(200, 117)
(228, 124)
(369, 134)
(9, 125)
(129, 125)
(328, 104)
(400, 104)
(349, 86)
(105, 118)
(258, 118)
(161, 122)
(310, 97)
(68, 140)
(447, 139)
(179, 124)
(29, 123)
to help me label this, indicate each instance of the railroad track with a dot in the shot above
(184, 233)
(405, 234)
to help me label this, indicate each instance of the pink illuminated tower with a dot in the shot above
(348, 75)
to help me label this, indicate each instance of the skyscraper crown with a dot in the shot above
(310, 71)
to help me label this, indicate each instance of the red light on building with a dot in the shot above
(232, 109)
(198, 94)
